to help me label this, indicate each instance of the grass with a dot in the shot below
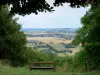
(25, 71)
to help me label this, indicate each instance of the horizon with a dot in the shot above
(49, 28)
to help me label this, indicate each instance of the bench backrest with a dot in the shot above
(42, 63)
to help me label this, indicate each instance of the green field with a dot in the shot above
(25, 71)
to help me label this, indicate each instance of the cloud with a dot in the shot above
(62, 17)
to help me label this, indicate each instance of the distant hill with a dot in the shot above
(49, 29)
(67, 33)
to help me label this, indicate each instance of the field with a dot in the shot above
(50, 40)
(55, 43)
(25, 71)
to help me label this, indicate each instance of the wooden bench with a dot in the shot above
(32, 65)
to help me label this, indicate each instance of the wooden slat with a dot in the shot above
(42, 63)
(42, 67)
(32, 63)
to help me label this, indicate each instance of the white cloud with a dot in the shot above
(63, 16)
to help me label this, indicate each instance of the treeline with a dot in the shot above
(89, 36)
(13, 49)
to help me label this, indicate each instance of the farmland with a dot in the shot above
(50, 40)
(56, 41)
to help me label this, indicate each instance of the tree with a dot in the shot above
(77, 3)
(89, 35)
(23, 7)
(12, 39)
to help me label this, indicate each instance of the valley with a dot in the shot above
(55, 41)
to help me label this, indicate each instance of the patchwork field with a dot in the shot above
(58, 45)
(50, 40)
(56, 41)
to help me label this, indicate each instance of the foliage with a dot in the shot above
(67, 63)
(79, 59)
(89, 35)
(77, 3)
(63, 64)
(12, 39)
(23, 7)
(33, 56)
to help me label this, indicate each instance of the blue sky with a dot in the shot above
(62, 17)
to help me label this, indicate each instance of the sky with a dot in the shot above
(62, 17)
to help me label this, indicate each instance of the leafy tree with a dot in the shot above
(23, 7)
(77, 3)
(12, 39)
(89, 35)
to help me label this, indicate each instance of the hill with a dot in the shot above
(55, 40)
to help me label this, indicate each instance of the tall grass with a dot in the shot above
(75, 63)
(26, 71)
(69, 65)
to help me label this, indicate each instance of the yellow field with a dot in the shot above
(50, 40)
(53, 40)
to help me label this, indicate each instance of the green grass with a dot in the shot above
(25, 71)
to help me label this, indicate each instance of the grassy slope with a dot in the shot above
(24, 71)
